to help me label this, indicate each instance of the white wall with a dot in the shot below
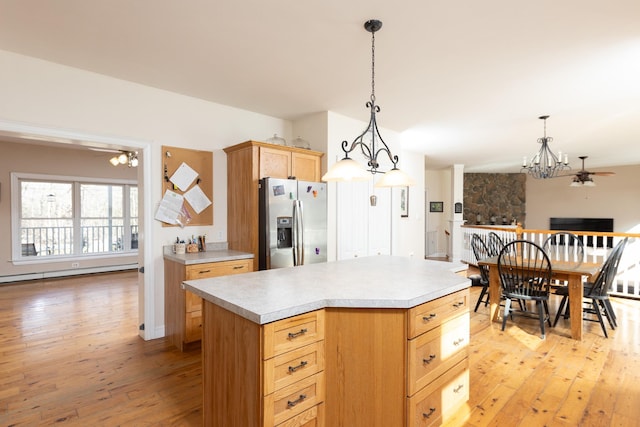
(438, 189)
(411, 229)
(48, 95)
(616, 197)
(51, 96)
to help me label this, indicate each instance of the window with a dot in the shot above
(62, 216)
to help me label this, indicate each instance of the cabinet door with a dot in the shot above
(352, 219)
(363, 229)
(275, 163)
(193, 326)
(305, 167)
(192, 302)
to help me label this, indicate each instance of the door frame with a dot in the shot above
(146, 301)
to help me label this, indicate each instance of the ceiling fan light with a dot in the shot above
(114, 161)
(575, 183)
(589, 183)
(123, 159)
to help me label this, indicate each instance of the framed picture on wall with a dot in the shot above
(435, 206)
(404, 202)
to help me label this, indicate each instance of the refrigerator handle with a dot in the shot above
(298, 234)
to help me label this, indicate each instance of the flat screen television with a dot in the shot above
(585, 224)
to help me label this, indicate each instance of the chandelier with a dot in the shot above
(545, 164)
(369, 142)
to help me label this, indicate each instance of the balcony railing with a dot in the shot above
(627, 281)
(53, 241)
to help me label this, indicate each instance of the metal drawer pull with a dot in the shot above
(238, 267)
(291, 404)
(428, 414)
(429, 360)
(458, 341)
(302, 364)
(457, 389)
(204, 271)
(297, 334)
(429, 317)
(458, 304)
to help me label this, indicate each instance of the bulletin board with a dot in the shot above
(175, 160)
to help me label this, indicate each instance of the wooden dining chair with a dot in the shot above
(525, 275)
(481, 251)
(596, 300)
(494, 243)
(564, 245)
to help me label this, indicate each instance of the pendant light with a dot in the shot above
(369, 142)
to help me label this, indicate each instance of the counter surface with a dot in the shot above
(366, 282)
(207, 256)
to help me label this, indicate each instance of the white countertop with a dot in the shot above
(367, 282)
(217, 255)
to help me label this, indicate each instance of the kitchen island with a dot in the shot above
(374, 341)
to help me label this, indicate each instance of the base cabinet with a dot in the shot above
(338, 366)
(263, 375)
(183, 309)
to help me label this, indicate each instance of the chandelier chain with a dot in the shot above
(373, 67)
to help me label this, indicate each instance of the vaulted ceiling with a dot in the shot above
(463, 81)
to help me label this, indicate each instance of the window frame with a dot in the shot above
(76, 181)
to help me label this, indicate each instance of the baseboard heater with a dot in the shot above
(66, 273)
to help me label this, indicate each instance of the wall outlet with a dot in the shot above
(220, 236)
(75, 264)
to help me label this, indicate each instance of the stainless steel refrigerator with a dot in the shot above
(293, 223)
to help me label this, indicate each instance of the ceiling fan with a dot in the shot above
(583, 176)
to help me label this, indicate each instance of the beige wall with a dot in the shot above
(616, 197)
(30, 158)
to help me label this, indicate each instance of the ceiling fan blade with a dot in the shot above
(602, 173)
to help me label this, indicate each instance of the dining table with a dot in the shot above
(569, 272)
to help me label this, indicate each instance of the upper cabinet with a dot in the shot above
(289, 162)
(247, 163)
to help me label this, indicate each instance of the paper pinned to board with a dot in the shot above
(197, 199)
(183, 177)
(170, 207)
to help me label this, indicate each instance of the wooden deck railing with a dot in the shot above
(627, 281)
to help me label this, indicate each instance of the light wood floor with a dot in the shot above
(70, 354)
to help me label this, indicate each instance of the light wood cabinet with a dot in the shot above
(378, 360)
(438, 360)
(183, 309)
(247, 163)
(263, 375)
(338, 366)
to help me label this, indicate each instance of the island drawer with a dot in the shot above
(291, 333)
(434, 313)
(286, 369)
(434, 352)
(440, 399)
(215, 269)
(312, 417)
(293, 400)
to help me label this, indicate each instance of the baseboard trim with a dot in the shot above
(66, 273)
